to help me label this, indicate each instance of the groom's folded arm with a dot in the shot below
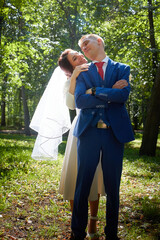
(114, 94)
(84, 100)
(103, 96)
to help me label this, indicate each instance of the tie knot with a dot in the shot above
(99, 64)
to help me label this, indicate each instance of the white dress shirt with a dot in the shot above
(105, 60)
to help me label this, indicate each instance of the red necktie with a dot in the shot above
(100, 70)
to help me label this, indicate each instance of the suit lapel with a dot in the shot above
(94, 75)
(108, 74)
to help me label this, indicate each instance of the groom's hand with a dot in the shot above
(89, 91)
(120, 84)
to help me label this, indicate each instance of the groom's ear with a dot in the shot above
(99, 40)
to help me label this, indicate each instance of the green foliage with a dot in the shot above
(34, 33)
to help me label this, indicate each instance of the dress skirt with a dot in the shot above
(69, 171)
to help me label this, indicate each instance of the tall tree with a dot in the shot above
(26, 112)
(150, 135)
(151, 128)
(3, 103)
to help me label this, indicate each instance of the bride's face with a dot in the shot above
(76, 58)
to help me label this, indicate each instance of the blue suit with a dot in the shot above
(108, 105)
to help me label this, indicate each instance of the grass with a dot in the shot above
(31, 208)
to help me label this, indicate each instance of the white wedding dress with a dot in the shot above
(69, 170)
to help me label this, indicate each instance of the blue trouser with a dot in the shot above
(89, 146)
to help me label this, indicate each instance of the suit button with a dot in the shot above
(92, 113)
(100, 114)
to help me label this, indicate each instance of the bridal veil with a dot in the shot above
(51, 118)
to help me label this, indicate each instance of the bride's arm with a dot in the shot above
(70, 101)
(75, 74)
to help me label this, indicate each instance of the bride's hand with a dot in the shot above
(79, 69)
(75, 74)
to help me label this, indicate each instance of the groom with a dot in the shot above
(102, 129)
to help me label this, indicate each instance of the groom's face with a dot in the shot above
(90, 47)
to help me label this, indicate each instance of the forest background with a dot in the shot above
(34, 33)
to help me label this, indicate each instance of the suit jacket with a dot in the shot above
(108, 104)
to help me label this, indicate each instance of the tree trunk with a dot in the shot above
(3, 103)
(152, 39)
(26, 113)
(152, 123)
(3, 115)
(20, 109)
(1, 21)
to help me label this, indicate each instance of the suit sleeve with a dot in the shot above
(115, 95)
(84, 100)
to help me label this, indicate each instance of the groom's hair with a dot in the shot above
(64, 63)
(89, 36)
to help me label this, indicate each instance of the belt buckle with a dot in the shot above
(102, 125)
